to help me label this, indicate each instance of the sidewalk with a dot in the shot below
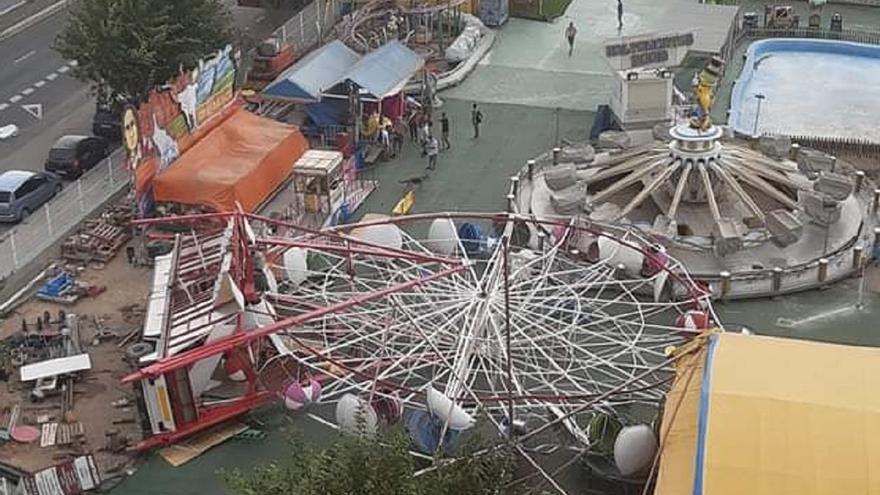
(474, 174)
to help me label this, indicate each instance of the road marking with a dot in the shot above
(30, 21)
(27, 91)
(52, 77)
(35, 109)
(12, 7)
(63, 69)
(3, 106)
(73, 63)
(39, 84)
(15, 99)
(24, 57)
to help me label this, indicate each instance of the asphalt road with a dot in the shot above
(38, 94)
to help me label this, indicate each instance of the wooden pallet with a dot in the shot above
(70, 433)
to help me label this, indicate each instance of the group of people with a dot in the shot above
(421, 130)
(571, 30)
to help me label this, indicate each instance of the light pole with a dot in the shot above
(760, 97)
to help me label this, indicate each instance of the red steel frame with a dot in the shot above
(242, 270)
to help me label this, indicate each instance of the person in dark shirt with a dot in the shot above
(619, 15)
(444, 129)
(570, 33)
(476, 120)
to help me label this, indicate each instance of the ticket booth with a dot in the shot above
(319, 184)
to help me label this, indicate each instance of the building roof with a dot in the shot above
(711, 24)
(772, 415)
(384, 71)
(319, 70)
(10, 180)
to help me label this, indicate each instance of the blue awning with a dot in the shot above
(381, 73)
(305, 80)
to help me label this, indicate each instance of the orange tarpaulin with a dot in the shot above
(243, 160)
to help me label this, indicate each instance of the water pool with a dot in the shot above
(811, 88)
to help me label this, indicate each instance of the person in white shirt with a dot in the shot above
(432, 149)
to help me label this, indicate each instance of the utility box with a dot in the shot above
(640, 99)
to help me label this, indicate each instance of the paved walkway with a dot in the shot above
(530, 65)
(473, 175)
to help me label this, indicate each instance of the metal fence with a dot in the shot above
(29, 239)
(311, 25)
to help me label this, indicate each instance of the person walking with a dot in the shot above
(413, 122)
(476, 120)
(432, 149)
(444, 128)
(619, 15)
(570, 33)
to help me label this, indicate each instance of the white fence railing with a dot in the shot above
(307, 29)
(29, 239)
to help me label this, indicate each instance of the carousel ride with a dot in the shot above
(434, 321)
(748, 218)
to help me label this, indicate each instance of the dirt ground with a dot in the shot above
(96, 389)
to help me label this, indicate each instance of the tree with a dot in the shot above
(364, 464)
(127, 47)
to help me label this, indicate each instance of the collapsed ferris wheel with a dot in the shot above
(428, 320)
(525, 333)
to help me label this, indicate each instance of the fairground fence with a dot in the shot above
(311, 25)
(29, 240)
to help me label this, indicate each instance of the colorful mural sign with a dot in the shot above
(173, 117)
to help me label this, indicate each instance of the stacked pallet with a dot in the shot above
(100, 239)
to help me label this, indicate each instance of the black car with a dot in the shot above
(107, 123)
(73, 155)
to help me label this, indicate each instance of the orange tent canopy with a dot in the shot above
(243, 160)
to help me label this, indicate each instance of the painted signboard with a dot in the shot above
(648, 51)
(172, 118)
(68, 478)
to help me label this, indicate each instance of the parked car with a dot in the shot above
(107, 122)
(70, 156)
(23, 192)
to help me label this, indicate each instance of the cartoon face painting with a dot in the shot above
(130, 131)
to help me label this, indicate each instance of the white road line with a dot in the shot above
(30, 21)
(63, 69)
(73, 63)
(24, 57)
(27, 91)
(52, 77)
(39, 84)
(15, 99)
(12, 7)
(3, 106)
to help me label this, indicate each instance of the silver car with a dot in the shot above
(23, 192)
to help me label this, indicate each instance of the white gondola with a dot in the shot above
(354, 415)
(442, 237)
(448, 411)
(296, 266)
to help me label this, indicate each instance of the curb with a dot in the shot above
(30, 21)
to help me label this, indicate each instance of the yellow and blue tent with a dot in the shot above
(770, 416)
